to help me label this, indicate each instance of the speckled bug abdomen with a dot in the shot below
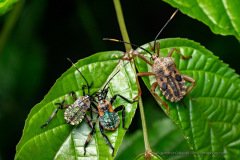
(110, 120)
(76, 112)
(170, 81)
(107, 116)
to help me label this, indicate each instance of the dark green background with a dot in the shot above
(49, 31)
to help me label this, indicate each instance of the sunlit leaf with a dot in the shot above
(209, 115)
(222, 16)
(5, 5)
(62, 141)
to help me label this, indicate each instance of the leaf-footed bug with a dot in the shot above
(107, 116)
(76, 112)
(168, 78)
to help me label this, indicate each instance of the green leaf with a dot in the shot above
(222, 16)
(209, 115)
(165, 140)
(5, 5)
(62, 141)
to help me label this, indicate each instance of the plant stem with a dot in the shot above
(122, 25)
(144, 126)
(128, 47)
(10, 22)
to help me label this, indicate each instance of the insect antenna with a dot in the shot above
(120, 41)
(154, 45)
(113, 77)
(110, 79)
(80, 73)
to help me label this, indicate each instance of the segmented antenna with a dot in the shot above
(113, 77)
(154, 45)
(120, 41)
(80, 73)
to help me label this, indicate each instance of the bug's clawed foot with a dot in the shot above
(84, 152)
(135, 99)
(44, 125)
(113, 152)
(60, 104)
(186, 57)
(71, 93)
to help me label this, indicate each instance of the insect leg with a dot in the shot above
(60, 106)
(191, 80)
(142, 57)
(171, 52)
(158, 48)
(141, 74)
(135, 53)
(157, 45)
(83, 89)
(178, 52)
(153, 87)
(93, 108)
(94, 105)
(106, 138)
(88, 120)
(119, 108)
(115, 96)
(73, 94)
(151, 46)
(89, 138)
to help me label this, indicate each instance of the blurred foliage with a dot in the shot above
(221, 16)
(161, 139)
(6, 5)
(21, 71)
(47, 32)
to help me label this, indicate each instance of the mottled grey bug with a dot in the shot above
(76, 112)
(168, 78)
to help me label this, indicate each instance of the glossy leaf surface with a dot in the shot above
(61, 141)
(222, 16)
(209, 115)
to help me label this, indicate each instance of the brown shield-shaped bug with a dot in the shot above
(168, 78)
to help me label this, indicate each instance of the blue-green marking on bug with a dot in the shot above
(110, 120)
